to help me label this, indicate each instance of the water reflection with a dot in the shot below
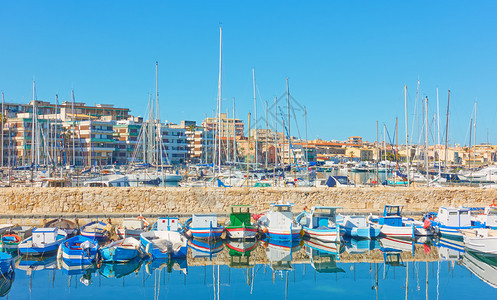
(355, 269)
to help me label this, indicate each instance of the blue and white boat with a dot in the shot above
(278, 223)
(7, 263)
(391, 223)
(320, 223)
(96, 230)
(450, 220)
(165, 240)
(358, 227)
(78, 250)
(121, 251)
(204, 226)
(42, 241)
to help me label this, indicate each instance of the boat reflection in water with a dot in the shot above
(86, 271)
(323, 262)
(354, 246)
(118, 270)
(484, 266)
(279, 253)
(204, 248)
(174, 264)
(6, 281)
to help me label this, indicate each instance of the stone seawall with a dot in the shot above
(63, 201)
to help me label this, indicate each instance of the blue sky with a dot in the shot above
(347, 61)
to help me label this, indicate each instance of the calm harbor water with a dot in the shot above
(270, 271)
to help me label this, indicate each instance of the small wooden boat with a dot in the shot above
(95, 230)
(480, 240)
(320, 223)
(278, 223)
(450, 220)
(121, 251)
(7, 263)
(239, 225)
(204, 226)
(43, 240)
(358, 227)
(132, 227)
(78, 250)
(9, 241)
(164, 244)
(391, 223)
(70, 227)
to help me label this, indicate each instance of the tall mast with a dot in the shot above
(219, 100)
(288, 114)
(378, 154)
(73, 130)
(234, 132)
(266, 135)
(157, 122)
(275, 139)
(248, 151)
(426, 141)
(33, 127)
(447, 129)
(255, 116)
(474, 139)
(408, 152)
(306, 144)
(438, 137)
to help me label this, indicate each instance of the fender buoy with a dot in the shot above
(427, 224)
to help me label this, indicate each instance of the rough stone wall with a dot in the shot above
(28, 201)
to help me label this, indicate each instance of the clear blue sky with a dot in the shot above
(347, 61)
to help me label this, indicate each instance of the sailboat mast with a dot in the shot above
(255, 116)
(426, 141)
(474, 141)
(219, 101)
(266, 135)
(438, 137)
(234, 132)
(275, 139)
(33, 126)
(288, 114)
(408, 152)
(447, 130)
(73, 130)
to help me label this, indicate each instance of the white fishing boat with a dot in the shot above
(320, 223)
(450, 220)
(132, 227)
(278, 223)
(481, 240)
(358, 227)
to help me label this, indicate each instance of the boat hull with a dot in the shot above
(284, 235)
(118, 254)
(207, 233)
(72, 253)
(324, 235)
(397, 231)
(241, 232)
(480, 243)
(175, 239)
